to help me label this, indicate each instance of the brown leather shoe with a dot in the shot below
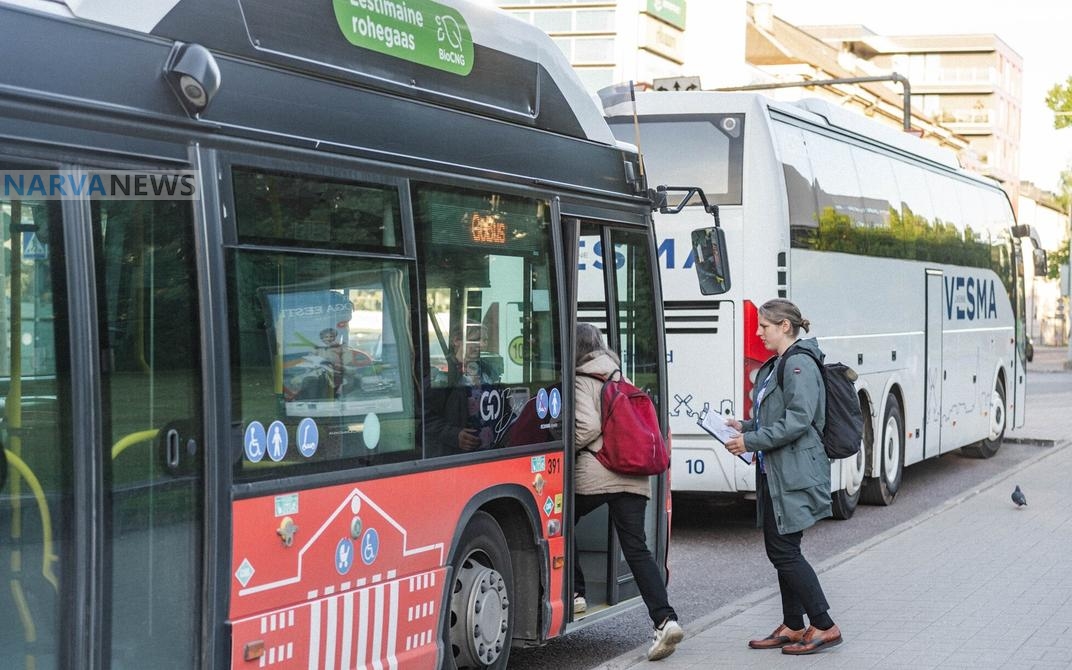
(781, 636)
(814, 640)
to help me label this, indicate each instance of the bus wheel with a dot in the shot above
(988, 447)
(882, 490)
(843, 502)
(481, 620)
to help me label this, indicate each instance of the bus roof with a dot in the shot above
(494, 64)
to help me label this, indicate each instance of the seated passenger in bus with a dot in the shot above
(452, 406)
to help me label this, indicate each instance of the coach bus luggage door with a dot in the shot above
(616, 291)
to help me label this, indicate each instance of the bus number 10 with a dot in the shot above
(695, 467)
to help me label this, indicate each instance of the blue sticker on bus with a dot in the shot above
(255, 441)
(344, 556)
(555, 402)
(370, 546)
(277, 441)
(308, 437)
(541, 403)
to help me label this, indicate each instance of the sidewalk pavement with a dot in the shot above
(975, 583)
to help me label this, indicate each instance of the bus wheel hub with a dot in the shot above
(479, 615)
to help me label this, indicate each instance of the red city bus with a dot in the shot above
(288, 297)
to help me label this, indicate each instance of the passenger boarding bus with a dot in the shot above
(909, 268)
(287, 364)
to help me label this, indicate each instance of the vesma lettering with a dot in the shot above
(970, 299)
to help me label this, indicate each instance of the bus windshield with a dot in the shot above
(705, 151)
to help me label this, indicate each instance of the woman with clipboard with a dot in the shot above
(792, 478)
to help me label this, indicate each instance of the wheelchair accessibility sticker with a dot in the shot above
(255, 441)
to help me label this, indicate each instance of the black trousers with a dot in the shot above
(801, 591)
(627, 515)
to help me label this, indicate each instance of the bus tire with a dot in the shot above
(844, 501)
(990, 445)
(882, 490)
(480, 620)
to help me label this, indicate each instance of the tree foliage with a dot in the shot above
(1059, 257)
(1059, 99)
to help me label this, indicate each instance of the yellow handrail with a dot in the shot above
(128, 440)
(48, 557)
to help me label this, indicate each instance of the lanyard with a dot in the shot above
(763, 391)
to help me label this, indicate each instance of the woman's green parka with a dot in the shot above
(798, 470)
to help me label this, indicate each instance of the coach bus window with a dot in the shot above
(491, 318)
(837, 194)
(917, 211)
(35, 483)
(881, 204)
(946, 235)
(799, 186)
(974, 210)
(322, 354)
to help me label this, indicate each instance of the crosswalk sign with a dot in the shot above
(33, 249)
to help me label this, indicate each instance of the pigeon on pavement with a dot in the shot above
(1018, 497)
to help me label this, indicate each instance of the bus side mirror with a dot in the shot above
(712, 266)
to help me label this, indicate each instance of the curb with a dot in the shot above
(704, 623)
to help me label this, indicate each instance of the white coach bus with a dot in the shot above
(909, 268)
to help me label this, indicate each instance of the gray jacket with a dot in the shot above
(591, 478)
(798, 470)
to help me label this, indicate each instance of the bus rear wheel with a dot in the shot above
(882, 490)
(989, 446)
(480, 618)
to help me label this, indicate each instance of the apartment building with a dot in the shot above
(971, 84)
(642, 40)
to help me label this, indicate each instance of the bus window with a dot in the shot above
(303, 211)
(491, 319)
(322, 348)
(35, 475)
(637, 332)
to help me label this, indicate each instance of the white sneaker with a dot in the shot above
(666, 639)
(580, 605)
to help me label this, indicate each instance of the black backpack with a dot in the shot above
(844, 428)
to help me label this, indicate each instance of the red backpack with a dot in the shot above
(632, 440)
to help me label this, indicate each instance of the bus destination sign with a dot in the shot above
(419, 31)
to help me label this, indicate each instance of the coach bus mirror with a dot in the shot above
(1041, 266)
(712, 266)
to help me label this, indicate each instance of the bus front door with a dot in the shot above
(150, 396)
(617, 292)
(100, 489)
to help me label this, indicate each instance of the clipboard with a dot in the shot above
(716, 427)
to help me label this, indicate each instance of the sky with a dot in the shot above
(1039, 30)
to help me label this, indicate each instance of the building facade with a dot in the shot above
(642, 40)
(971, 84)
